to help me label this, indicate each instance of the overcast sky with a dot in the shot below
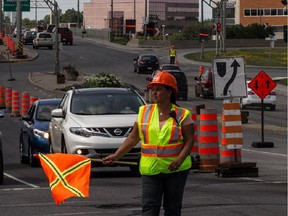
(69, 4)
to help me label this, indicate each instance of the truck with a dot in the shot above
(66, 35)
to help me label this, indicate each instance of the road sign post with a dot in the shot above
(262, 85)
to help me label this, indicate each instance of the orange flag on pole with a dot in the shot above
(68, 175)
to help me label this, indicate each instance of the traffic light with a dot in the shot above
(218, 27)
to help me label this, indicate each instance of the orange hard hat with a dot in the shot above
(164, 78)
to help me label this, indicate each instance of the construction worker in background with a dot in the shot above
(172, 54)
(166, 132)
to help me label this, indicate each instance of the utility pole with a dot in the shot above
(1, 18)
(56, 13)
(224, 26)
(112, 23)
(19, 19)
(145, 19)
(78, 14)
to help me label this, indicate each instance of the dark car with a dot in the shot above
(146, 62)
(28, 37)
(34, 136)
(1, 154)
(180, 77)
(204, 84)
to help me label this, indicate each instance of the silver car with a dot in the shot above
(94, 122)
(43, 39)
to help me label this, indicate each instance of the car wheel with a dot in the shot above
(63, 146)
(23, 158)
(1, 168)
(32, 160)
(273, 107)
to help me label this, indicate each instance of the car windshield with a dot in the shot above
(44, 36)
(44, 111)
(180, 77)
(105, 104)
(149, 58)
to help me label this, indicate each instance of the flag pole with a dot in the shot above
(116, 162)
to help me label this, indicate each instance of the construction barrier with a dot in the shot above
(32, 100)
(2, 97)
(25, 103)
(232, 133)
(208, 140)
(8, 99)
(15, 112)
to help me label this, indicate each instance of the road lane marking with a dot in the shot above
(270, 153)
(21, 181)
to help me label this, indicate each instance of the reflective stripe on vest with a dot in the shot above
(173, 148)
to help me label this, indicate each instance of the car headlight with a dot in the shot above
(41, 134)
(85, 132)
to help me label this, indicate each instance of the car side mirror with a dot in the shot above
(26, 118)
(57, 113)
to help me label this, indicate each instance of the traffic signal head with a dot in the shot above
(218, 27)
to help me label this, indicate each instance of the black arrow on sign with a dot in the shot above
(235, 64)
(256, 84)
(268, 84)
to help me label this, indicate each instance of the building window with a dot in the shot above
(260, 12)
(253, 12)
(267, 12)
(273, 12)
(247, 13)
(280, 12)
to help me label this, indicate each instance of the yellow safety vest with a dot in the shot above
(172, 52)
(160, 147)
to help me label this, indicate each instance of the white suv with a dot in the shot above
(43, 39)
(94, 122)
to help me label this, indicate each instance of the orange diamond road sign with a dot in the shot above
(262, 84)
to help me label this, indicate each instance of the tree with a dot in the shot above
(70, 16)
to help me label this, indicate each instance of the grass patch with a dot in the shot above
(276, 57)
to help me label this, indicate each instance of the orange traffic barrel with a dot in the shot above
(195, 150)
(2, 97)
(15, 104)
(32, 100)
(25, 103)
(8, 99)
(232, 133)
(208, 140)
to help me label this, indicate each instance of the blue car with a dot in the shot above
(34, 136)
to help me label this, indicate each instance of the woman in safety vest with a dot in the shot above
(172, 54)
(166, 132)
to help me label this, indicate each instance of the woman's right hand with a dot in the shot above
(109, 159)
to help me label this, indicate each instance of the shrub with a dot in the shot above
(101, 80)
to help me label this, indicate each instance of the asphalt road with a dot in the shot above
(113, 190)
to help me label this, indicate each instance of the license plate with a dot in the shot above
(149, 68)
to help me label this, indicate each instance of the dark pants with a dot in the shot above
(172, 59)
(170, 187)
